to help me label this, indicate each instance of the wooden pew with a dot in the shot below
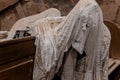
(16, 59)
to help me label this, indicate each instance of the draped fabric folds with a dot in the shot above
(83, 30)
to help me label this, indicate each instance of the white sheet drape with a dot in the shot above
(84, 30)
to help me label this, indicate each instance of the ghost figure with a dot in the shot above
(81, 35)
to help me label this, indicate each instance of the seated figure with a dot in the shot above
(78, 42)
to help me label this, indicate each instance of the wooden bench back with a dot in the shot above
(17, 59)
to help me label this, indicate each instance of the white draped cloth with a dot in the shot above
(84, 30)
(30, 20)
